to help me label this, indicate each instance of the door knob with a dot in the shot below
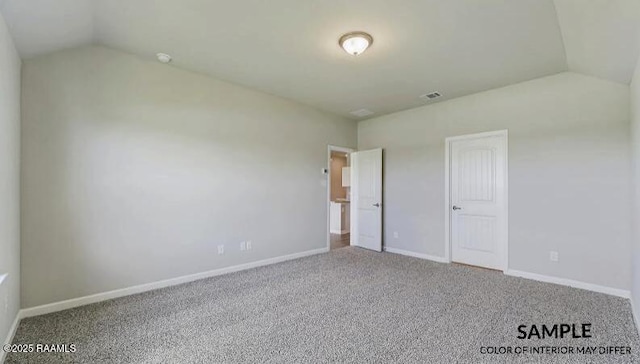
(376, 204)
(456, 208)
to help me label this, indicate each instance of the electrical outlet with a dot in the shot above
(395, 235)
(248, 244)
(243, 245)
(553, 256)
(220, 249)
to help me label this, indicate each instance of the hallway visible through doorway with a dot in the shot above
(339, 197)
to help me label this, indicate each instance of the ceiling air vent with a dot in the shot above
(431, 96)
(361, 113)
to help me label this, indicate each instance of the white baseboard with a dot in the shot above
(10, 335)
(571, 283)
(416, 255)
(99, 297)
(533, 276)
(633, 313)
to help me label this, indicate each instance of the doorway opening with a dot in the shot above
(339, 197)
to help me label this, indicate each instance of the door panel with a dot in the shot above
(478, 232)
(366, 199)
(478, 201)
(477, 174)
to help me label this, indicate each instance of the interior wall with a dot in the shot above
(135, 171)
(569, 175)
(10, 65)
(635, 142)
(337, 191)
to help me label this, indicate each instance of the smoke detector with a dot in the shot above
(163, 57)
(361, 113)
(431, 96)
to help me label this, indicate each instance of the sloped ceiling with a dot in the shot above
(601, 37)
(44, 26)
(289, 47)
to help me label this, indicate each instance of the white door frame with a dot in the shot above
(332, 148)
(447, 190)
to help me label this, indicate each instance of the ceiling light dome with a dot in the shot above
(356, 43)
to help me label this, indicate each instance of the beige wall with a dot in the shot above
(134, 172)
(9, 181)
(337, 191)
(569, 178)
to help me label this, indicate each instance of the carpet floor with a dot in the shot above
(347, 306)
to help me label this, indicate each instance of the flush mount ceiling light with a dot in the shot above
(355, 43)
(163, 57)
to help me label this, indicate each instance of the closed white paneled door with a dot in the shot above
(366, 199)
(478, 201)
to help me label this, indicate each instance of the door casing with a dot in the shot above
(447, 206)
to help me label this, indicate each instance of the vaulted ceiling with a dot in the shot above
(601, 37)
(290, 47)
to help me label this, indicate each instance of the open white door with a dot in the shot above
(478, 206)
(366, 199)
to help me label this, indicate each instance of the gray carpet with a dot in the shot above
(349, 305)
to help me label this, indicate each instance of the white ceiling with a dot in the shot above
(601, 37)
(43, 26)
(289, 47)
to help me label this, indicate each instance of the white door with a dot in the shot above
(366, 199)
(478, 200)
